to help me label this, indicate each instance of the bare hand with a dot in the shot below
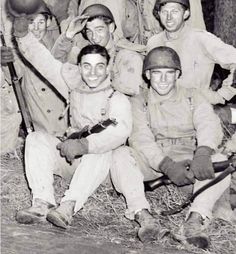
(76, 25)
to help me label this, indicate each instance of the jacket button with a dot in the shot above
(43, 89)
(48, 111)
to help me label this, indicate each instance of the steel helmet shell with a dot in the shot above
(162, 57)
(160, 2)
(28, 7)
(96, 10)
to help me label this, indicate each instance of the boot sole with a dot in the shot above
(57, 219)
(199, 241)
(30, 218)
(148, 234)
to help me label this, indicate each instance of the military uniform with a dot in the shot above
(171, 128)
(126, 64)
(199, 51)
(87, 107)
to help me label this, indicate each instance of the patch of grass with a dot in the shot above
(102, 217)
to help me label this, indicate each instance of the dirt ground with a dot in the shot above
(100, 227)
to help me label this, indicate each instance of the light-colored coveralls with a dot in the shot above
(199, 51)
(170, 128)
(88, 107)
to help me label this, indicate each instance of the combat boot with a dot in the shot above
(35, 214)
(62, 215)
(193, 231)
(149, 228)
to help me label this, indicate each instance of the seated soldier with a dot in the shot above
(92, 100)
(175, 133)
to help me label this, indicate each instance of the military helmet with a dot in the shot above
(160, 2)
(17, 8)
(161, 57)
(96, 10)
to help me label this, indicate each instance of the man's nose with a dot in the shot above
(93, 71)
(163, 77)
(169, 15)
(94, 36)
(36, 27)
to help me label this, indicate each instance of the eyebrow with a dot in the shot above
(96, 63)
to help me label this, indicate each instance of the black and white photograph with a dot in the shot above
(118, 127)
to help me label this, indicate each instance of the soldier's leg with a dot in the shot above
(128, 180)
(42, 160)
(90, 173)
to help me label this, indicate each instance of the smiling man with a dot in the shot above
(84, 162)
(198, 50)
(44, 104)
(175, 133)
(97, 25)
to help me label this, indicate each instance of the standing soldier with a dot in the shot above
(44, 103)
(198, 50)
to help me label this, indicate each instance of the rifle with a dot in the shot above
(226, 167)
(18, 93)
(95, 129)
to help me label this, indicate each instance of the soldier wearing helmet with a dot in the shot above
(175, 133)
(44, 104)
(97, 25)
(198, 50)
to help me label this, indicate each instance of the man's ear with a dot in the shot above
(177, 74)
(186, 14)
(79, 67)
(111, 27)
(148, 74)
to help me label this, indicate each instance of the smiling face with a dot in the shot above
(173, 16)
(98, 32)
(38, 26)
(163, 81)
(93, 69)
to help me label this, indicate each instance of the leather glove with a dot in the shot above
(72, 148)
(20, 26)
(6, 55)
(201, 165)
(178, 172)
(224, 114)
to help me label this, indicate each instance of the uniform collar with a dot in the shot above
(83, 88)
(183, 32)
(155, 98)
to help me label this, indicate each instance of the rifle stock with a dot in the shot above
(18, 93)
(99, 127)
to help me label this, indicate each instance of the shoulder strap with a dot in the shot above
(190, 94)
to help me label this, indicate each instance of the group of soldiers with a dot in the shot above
(155, 86)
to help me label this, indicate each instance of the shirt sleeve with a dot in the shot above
(41, 58)
(62, 48)
(142, 139)
(114, 135)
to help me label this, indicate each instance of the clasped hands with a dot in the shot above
(186, 171)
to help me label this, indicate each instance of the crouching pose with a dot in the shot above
(175, 133)
(92, 100)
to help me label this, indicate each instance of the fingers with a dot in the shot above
(82, 18)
